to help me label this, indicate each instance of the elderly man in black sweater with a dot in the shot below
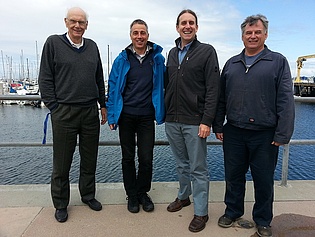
(72, 85)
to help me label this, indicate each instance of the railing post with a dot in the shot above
(285, 165)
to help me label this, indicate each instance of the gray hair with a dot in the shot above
(140, 22)
(77, 9)
(251, 20)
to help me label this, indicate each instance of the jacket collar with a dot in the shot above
(152, 46)
(193, 45)
(264, 55)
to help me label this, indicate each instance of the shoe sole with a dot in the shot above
(195, 231)
(262, 235)
(225, 226)
(148, 209)
(133, 211)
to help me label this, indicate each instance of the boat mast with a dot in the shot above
(22, 76)
(37, 62)
(3, 65)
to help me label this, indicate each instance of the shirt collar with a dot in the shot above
(186, 46)
(73, 44)
(145, 53)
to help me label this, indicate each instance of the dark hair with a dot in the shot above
(251, 20)
(139, 21)
(186, 11)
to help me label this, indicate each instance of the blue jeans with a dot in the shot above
(190, 152)
(244, 149)
(142, 127)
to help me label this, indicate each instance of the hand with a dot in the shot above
(276, 143)
(112, 126)
(204, 131)
(219, 136)
(104, 115)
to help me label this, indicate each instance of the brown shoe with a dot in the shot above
(198, 223)
(178, 204)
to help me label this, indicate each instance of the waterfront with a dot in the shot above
(32, 165)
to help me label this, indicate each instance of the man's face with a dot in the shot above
(187, 28)
(77, 24)
(254, 37)
(139, 37)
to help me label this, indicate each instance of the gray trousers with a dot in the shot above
(190, 152)
(68, 123)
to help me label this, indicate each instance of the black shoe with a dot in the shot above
(146, 202)
(133, 204)
(264, 231)
(225, 221)
(61, 215)
(93, 204)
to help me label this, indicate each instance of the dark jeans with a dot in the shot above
(69, 122)
(245, 149)
(142, 129)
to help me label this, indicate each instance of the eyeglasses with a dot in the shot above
(74, 22)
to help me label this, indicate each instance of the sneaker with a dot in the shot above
(146, 202)
(133, 204)
(225, 221)
(264, 231)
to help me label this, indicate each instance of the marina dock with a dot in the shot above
(26, 210)
(304, 89)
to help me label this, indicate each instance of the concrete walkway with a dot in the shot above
(26, 210)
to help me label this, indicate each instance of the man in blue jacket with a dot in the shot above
(257, 100)
(135, 100)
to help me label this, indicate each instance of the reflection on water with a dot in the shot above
(33, 165)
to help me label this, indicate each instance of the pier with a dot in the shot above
(304, 89)
(27, 210)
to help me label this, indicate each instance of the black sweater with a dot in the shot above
(71, 76)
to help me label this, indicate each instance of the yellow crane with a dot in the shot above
(299, 62)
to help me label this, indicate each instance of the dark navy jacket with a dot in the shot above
(259, 97)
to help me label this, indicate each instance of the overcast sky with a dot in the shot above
(26, 24)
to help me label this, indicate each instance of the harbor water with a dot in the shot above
(33, 165)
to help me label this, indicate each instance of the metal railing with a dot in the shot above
(286, 147)
(20, 97)
(37, 97)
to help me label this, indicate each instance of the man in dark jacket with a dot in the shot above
(72, 85)
(191, 96)
(257, 100)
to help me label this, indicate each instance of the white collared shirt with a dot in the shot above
(141, 57)
(73, 44)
